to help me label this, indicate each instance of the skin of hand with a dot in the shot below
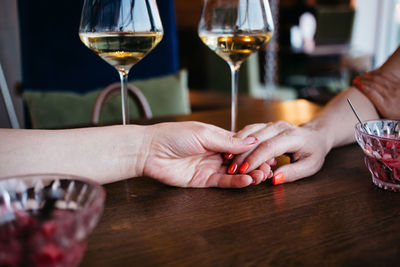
(188, 154)
(382, 88)
(307, 144)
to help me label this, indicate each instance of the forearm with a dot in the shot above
(105, 154)
(336, 121)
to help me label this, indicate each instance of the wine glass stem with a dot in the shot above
(124, 97)
(234, 100)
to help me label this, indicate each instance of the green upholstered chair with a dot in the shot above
(165, 95)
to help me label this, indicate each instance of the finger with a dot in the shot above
(391, 84)
(388, 80)
(374, 77)
(261, 174)
(390, 77)
(265, 133)
(245, 132)
(271, 162)
(266, 169)
(368, 88)
(229, 181)
(294, 171)
(228, 144)
(258, 176)
(375, 84)
(272, 148)
(264, 130)
(373, 95)
(243, 168)
(240, 161)
(249, 129)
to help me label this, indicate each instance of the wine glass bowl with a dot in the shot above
(121, 50)
(45, 219)
(235, 29)
(235, 49)
(121, 33)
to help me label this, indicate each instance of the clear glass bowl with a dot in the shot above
(381, 146)
(45, 219)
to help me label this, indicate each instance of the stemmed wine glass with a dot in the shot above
(121, 32)
(234, 29)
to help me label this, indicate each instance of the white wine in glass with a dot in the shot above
(234, 29)
(122, 33)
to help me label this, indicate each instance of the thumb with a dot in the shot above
(230, 144)
(297, 170)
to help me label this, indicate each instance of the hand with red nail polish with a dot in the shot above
(309, 146)
(333, 126)
(188, 154)
(382, 89)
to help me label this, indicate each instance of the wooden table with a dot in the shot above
(336, 217)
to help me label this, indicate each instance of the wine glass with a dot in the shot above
(121, 32)
(234, 29)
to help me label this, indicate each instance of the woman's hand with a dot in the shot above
(308, 147)
(188, 154)
(383, 90)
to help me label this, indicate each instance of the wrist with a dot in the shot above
(135, 148)
(323, 132)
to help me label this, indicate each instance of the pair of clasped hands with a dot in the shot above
(207, 156)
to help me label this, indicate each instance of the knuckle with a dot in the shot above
(259, 154)
(249, 129)
(202, 129)
(259, 125)
(266, 148)
(282, 124)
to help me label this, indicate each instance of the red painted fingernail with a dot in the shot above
(360, 86)
(232, 169)
(244, 167)
(251, 140)
(228, 155)
(278, 178)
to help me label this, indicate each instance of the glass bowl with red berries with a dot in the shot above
(380, 141)
(45, 219)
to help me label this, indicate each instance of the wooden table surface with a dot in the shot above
(336, 217)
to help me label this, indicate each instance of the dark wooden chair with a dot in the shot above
(115, 89)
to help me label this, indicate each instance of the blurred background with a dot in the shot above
(319, 46)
